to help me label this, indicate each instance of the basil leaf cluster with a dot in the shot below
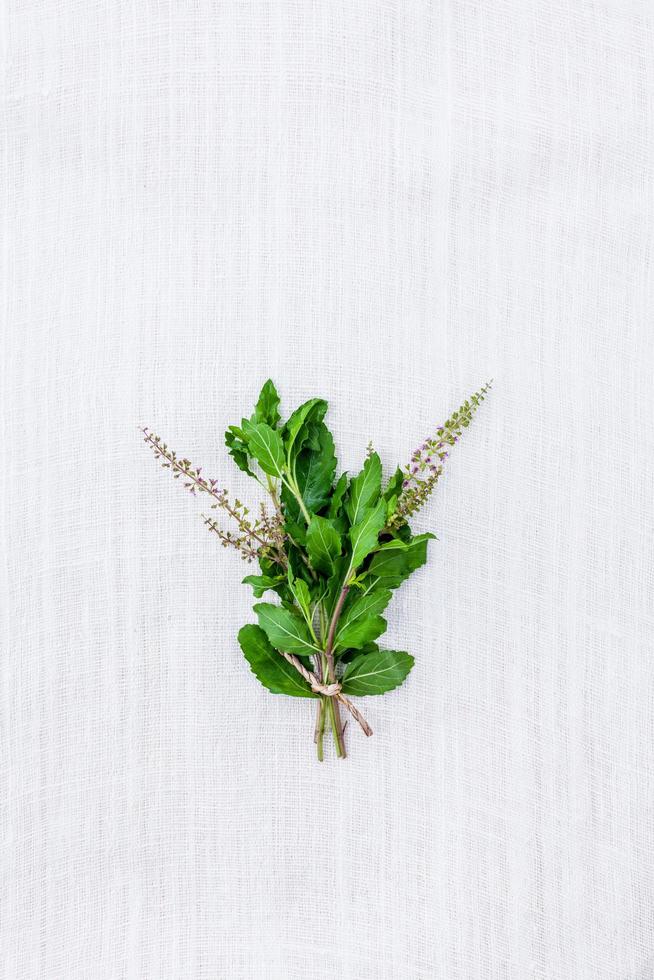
(339, 538)
(330, 554)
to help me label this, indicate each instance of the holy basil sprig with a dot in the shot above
(331, 551)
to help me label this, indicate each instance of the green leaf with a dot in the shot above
(268, 566)
(376, 672)
(391, 507)
(300, 590)
(395, 560)
(335, 583)
(265, 444)
(267, 406)
(363, 536)
(323, 544)
(237, 449)
(312, 440)
(337, 496)
(261, 583)
(270, 570)
(296, 563)
(295, 432)
(297, 531)
(360, 622)
(269, 666)
(394, 485)
(364, 489)
(347, 655)
(403, 532)
(341, 525)
(392, 492)
(285, 630)
(315, 468)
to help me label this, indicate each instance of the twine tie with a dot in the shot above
(329, 690)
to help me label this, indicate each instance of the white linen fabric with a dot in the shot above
(384, 203)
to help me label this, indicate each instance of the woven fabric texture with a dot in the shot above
(386, 204)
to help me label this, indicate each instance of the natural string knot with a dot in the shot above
(329, 690)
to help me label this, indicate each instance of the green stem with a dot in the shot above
(323, 622)
(295, 490)
(329, 671)
(332, 708)
(320, 730)
(305, 512)
(340, 752)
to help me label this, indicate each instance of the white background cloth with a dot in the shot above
(384, 203)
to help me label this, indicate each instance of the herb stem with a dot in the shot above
(320, 729)
(336, 728)
(291, 483)
(338, 609)
(329, 657)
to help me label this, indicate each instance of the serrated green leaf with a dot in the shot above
(315, 468)
(296, 563)
(246, 426)
(337, 496)
(376, 672)
(295, 431)
(265, 444)
(364, 489)
(297, 531)
(270, 570)
(402, 532)
(347, 655)
(323, 544)
(312, 440)
(300, 590)
(268, 566)
(237, 449)
(261, 583)
(364, 535)
(267, 406)
(360, 622)
(394, 485)
(285, 630)
(395, 560)
(268, 665)
(341, 525)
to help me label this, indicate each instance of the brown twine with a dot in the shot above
(328, 690)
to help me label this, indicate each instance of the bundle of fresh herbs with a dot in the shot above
(331, 549)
